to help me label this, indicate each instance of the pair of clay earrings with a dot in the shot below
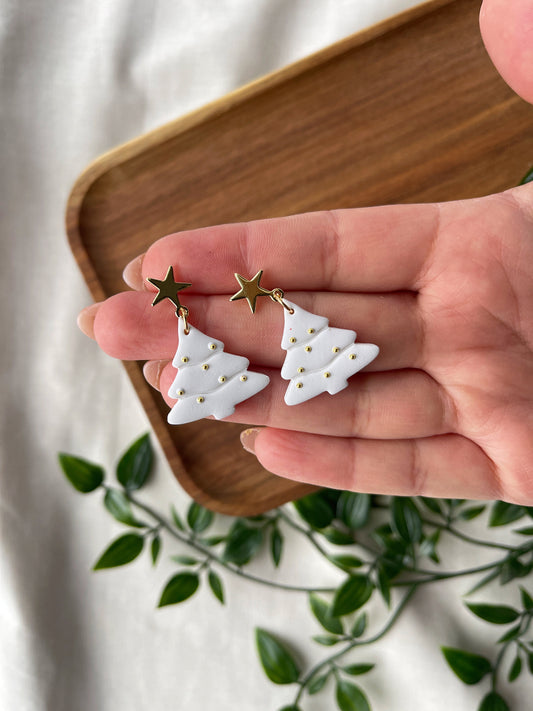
(210, 382)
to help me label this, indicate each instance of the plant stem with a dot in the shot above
(188, 540)
(307, 532)
(448, 574)
(470, 539)
(355, 643)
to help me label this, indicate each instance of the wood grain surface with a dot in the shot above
(410, 110)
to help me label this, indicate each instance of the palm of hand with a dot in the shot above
(477, 307)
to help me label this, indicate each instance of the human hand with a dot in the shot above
(446, 291)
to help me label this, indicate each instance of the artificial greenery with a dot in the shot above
(381, 545)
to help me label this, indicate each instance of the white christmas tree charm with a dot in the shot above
(209, 381)
(319, 358)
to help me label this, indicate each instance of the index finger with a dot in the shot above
(372, 249)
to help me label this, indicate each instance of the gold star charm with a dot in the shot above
(168, 289)
(250, 289)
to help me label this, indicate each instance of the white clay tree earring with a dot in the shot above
(208, 381)
(319, 358)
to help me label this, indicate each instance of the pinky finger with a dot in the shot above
(448, 466)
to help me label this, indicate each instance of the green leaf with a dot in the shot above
(428, 546)
(135, 464)
(331, 496)
(83, 475)
(356, 669)
(123, 550)
(484, 581)
(176, 518)
(179, 588)
(382, 534)
(276, 660)
(199, 518)
(351, 595)
(338, 538)
(276, 545)
(493, 702)
(433, 505)
(321, 610)
(351, 697)
(392, 562)
(326, 640)
(471, 512)
(242, 543)
(510, 634)
(527, 600)
(525, 531)
(185, 559)
(383, 584)
(215, 583)
(496, 614)
(118, 506)
(155, 548)
(503, 513)
(470, 668)
(317, 684)
(353, 509)
(359, 626)
(454, 503)
(513, 568)
(290, 708)
(346, 561)
(516, 668)
(314, 510)
(212, 540)
(528, 177)
(406, 519)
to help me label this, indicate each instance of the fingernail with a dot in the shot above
(248, 438)
(152, 372)
(86, 319)
(132, 273)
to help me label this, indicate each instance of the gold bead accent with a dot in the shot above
(301, 370)
(222, 379)
(310, 330)
(327, 375)
(299, 385)
(185, 359)
(335, 349)
(308, 349)
(244, 378)
(181, 392)
(292, 339)
(205, 366)
(200, 399)
(212, 346)
(352, 356)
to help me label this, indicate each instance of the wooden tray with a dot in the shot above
(410, 110)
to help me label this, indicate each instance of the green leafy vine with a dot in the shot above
(381, 545)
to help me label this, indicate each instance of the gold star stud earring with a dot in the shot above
(319, 358)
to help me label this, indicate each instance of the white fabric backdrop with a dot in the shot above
(77, 78)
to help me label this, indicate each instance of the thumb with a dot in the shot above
(507, 31)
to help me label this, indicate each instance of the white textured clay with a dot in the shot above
(319, 358)
(208, 381)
